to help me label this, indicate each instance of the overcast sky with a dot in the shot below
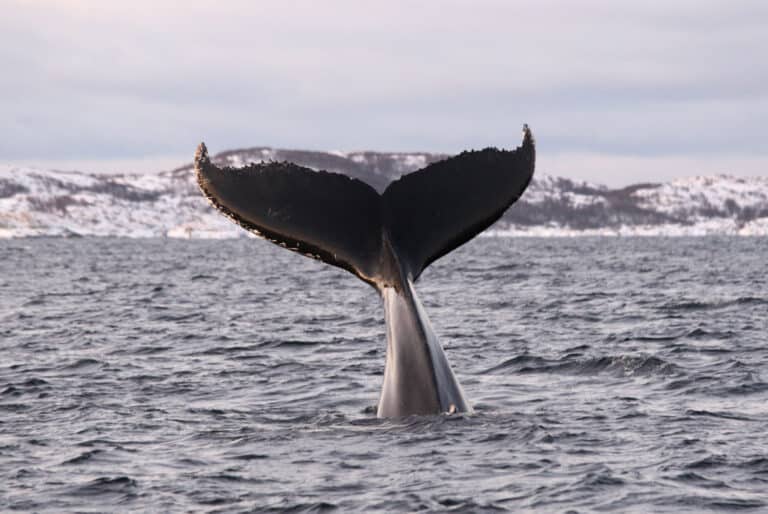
(615, 91)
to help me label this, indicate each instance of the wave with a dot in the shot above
(81, 364)
(721, 415)
(121, 485)
(83, 457)
(618, 365)
(288, 507)
(696, 305)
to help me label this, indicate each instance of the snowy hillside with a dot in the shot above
(690, 206)
(168, 204)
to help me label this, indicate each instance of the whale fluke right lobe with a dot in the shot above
(437, 209)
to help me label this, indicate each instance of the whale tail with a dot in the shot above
(381, 238)
(385, 239)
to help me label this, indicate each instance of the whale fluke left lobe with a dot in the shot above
(323, 215)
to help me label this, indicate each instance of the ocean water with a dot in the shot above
(607, 375)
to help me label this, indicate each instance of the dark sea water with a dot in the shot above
(608, 375)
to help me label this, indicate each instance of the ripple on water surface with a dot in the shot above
(625, 375)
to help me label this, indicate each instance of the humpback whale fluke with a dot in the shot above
(385, 239)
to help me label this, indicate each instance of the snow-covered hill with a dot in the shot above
(168, 204)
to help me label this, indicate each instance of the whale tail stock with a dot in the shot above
(385, 239)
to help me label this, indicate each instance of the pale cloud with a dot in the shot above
(110, 80)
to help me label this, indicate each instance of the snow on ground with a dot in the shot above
(546, 188)
(413, 161)
(36, 202)
(719, 192)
